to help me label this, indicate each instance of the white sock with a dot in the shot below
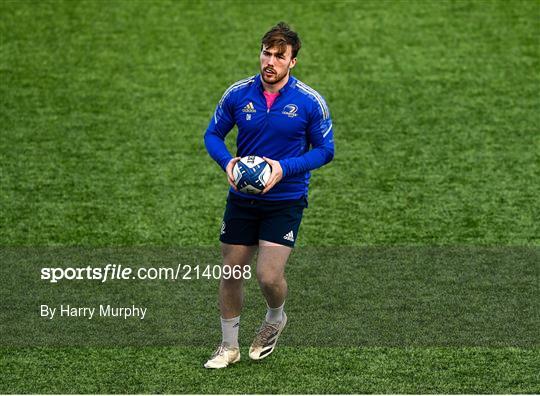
(229, 331)
(274, 315)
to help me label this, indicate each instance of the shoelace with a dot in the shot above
(220, 349)
(264, 333)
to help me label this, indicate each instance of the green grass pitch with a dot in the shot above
(435, 106)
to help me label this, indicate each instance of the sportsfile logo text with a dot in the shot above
(121, 272)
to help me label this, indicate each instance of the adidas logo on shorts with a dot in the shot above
(289, 236)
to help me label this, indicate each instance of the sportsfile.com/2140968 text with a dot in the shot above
(121, 272)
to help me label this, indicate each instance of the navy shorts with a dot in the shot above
(246, 221)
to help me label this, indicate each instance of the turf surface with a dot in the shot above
(104, 107)
(435, 107)
(293, 370)
(350, 297)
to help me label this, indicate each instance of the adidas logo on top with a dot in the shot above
(249, 108)
(289, 236)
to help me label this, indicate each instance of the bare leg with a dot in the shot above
(271, 272)
(231, 293)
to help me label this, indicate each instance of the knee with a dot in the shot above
(230, 282)
(270, 281)
(233, 274)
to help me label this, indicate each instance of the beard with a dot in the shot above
(274, 78)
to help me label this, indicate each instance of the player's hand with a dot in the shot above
(275, 176)
(229, 170)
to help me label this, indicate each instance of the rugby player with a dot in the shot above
(287, 123)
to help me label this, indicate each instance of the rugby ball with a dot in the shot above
(251, 174)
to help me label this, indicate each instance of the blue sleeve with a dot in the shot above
(320, 134)
(221, 124)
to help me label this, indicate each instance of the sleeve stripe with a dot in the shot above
(327, 131)
(234, 86)
(315, 94)
(325, 116)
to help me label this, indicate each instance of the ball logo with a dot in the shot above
(290, 110)
(251, 174)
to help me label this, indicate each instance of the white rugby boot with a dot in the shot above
(223, 356)
(266, 339)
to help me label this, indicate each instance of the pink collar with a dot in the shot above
(270, 98)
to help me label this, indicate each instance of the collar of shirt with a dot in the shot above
(290, 84)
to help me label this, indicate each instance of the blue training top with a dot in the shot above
(297, 121)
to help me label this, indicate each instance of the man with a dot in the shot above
(287, 123)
